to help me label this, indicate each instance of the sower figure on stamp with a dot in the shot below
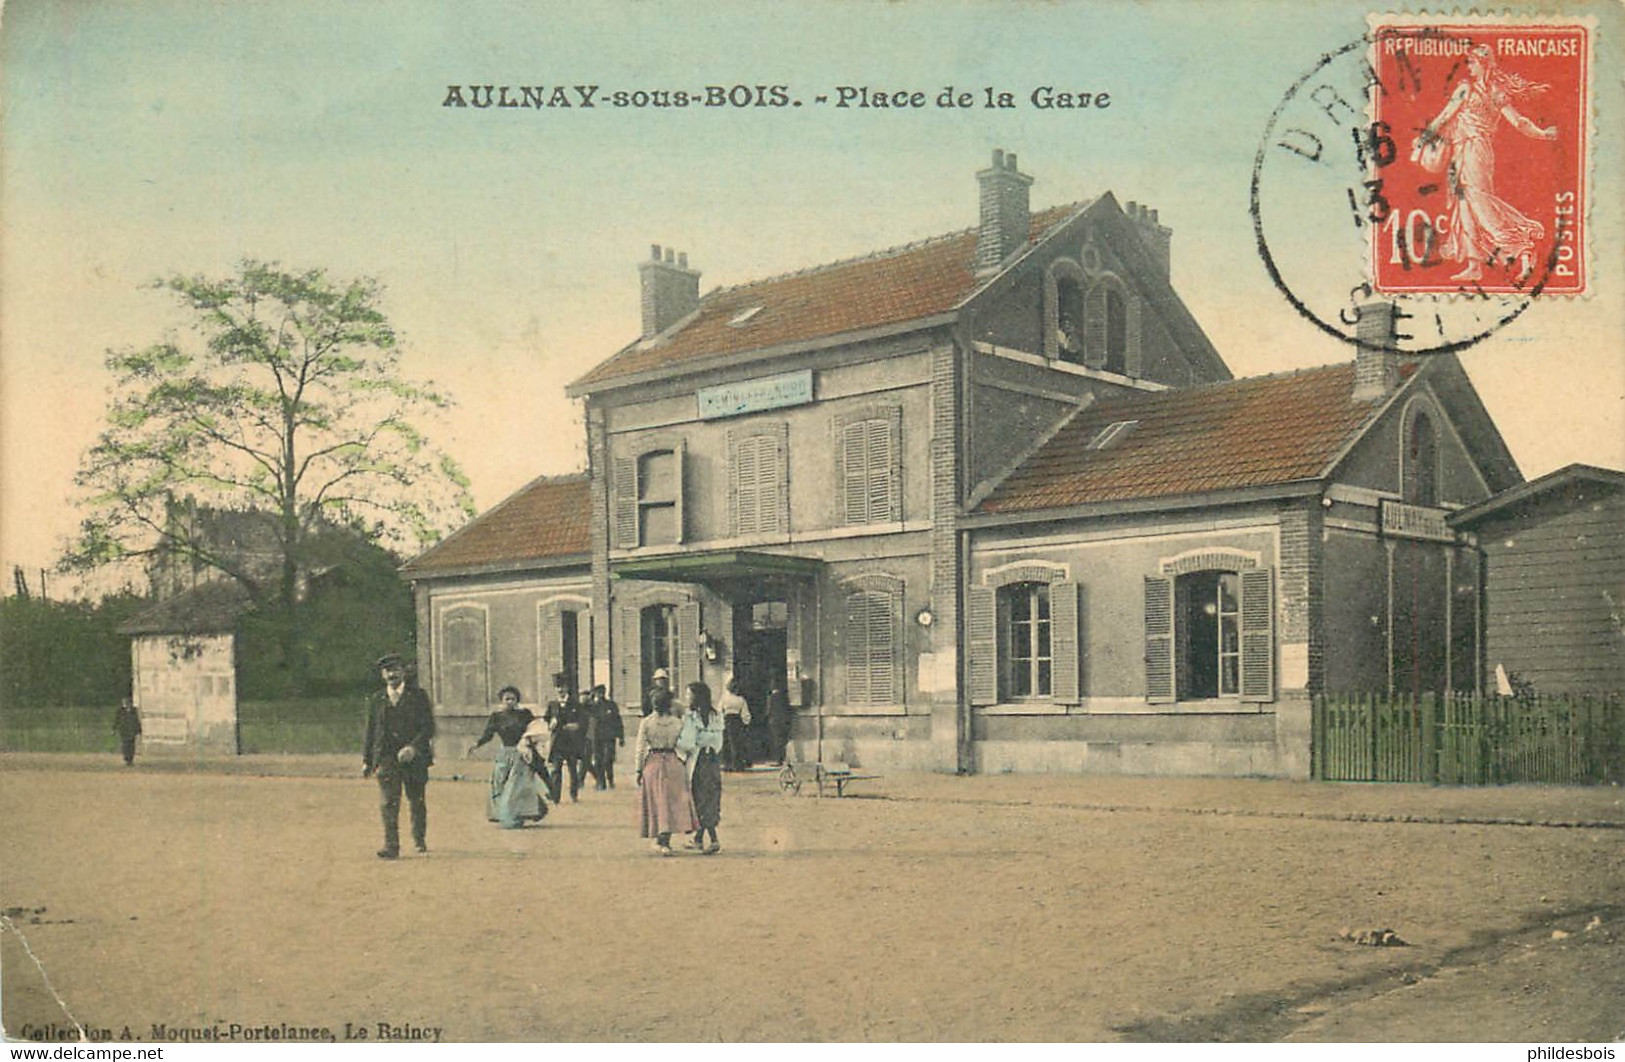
(606, 730)
(399, 749)
(127, 721)
(563, 715)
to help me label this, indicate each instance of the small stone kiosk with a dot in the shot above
(184, 669)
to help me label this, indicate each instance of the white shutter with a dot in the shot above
(625, 503)
(1159, 640)
(982, 644)
(852, 473)
(686, 654)
(677, 455)
(1257, 635)
(1066, 641)
(630, 651)
(552, 647)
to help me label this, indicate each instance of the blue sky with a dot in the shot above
(146, 138)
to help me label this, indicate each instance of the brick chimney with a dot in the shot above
(1157, 238)
(1004, 202)
(1376, 356)
(671, 290)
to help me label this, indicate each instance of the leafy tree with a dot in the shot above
(291, 405)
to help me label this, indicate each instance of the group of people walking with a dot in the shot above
(679, 763)
(575, 735)
(679, 759)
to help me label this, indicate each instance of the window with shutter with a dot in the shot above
(870, 648)
(868, 466)
(1210, 634)
(464, 665)
(657, 636)
(757, 483)
(1026, 650)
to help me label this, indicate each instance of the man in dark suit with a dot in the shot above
(399, 749)
(563, 715)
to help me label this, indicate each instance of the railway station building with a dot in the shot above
(988, 501)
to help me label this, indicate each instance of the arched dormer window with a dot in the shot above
(1112, 327)
(1116, 332)
(1420, 463)
(1064, 311)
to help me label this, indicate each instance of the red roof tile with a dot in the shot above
(1260, 431)
(545, 520)
(886, 288)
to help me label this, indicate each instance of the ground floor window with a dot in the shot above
(1209, 635)
(1210, 644)
(464, 665)
(1025, 650)
(658, 643)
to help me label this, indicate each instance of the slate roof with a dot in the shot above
(1254, 432)
(545, 521)
(212, 608)
(889, 287)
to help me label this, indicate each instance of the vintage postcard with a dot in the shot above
(1081, 521)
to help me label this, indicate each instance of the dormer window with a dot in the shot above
(1111, 434)
(1069, 321)
(1421, 463)
(744, 317)
(1116, 332)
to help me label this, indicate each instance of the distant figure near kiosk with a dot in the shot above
(399, 749)
(127, 721)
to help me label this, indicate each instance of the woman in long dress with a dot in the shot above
(663, 798)
(700, 744)
(1482, 228)
(514, 799)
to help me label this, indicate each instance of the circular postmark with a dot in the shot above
(1435, 168)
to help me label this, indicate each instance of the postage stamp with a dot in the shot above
(1439, 164)
(1478, 160)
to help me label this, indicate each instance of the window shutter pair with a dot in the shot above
(872, 671)
(758, 495)
(1257, 637)
(869, 468)
(1066, 643)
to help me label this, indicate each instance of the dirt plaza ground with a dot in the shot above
(199, 895)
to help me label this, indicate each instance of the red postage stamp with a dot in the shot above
(1479, 156)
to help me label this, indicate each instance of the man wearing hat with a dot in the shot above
(659, 693)
(399, 749)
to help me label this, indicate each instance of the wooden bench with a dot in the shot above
(839, 775)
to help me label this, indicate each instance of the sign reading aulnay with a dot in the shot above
(753, 396)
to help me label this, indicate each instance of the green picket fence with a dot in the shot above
(1466, 739)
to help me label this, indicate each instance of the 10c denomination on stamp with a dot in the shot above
(1483, 186)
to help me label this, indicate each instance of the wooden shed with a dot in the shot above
(1554, 580)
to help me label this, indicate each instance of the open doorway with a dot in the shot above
(760, 643)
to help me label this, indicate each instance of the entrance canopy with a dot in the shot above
(714, 567)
